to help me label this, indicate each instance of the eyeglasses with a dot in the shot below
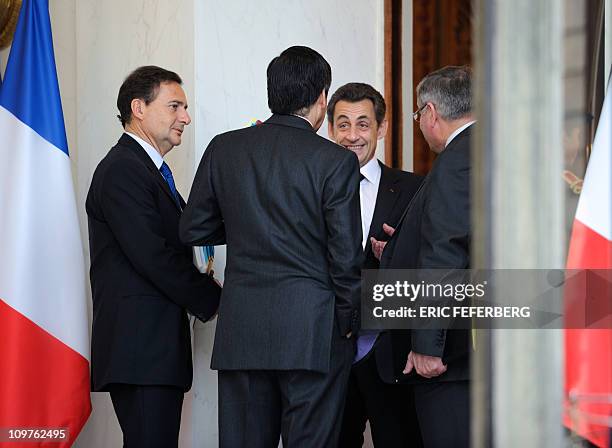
(419, 113)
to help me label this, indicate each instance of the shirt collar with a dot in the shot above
(458, 131)
(150, 150)
(371, 171)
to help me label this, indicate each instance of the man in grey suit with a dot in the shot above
(286, 203)
(435, 233)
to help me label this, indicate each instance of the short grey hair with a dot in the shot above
(449, 89)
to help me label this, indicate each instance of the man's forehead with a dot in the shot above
(172, 91)
(358, 109)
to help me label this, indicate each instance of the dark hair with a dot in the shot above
(353, 92)
(450, 89)
(143, 83)
(296, 78)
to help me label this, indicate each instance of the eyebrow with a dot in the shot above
(179, 102)
(361, 117)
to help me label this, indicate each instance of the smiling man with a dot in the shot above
(143, 280)
(356, 119)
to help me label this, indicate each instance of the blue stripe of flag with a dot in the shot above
(30, 90)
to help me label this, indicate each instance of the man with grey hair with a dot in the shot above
(435, 233)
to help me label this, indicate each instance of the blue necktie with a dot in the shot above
(165, 171)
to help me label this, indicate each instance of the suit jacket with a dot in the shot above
(142, 277)
(434, 233)
(395, 191)
(286, 202)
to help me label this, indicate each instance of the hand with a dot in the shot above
(349, 334)
(379, 246)
(426, 366)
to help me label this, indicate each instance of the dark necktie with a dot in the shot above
(209, 251)
(167, 174)
(361, 177)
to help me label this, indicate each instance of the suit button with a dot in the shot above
(396, 380)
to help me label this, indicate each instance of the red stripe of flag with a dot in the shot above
(588, 363)
(43, 382)
(588, 249)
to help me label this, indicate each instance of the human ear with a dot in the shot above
(382, 129)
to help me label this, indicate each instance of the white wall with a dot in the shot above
(407, 93)
(235, 43)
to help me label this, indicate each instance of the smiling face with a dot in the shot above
(355, 127)
(163, 120)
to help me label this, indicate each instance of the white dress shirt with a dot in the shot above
(368, 191)
(150, 150)
(458, 131)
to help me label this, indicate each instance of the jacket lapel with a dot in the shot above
(416, 199)
(465, 133)
(142, 155)
(388, 193)
(413, 201)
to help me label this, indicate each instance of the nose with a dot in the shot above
(185, 118)
(352, 134)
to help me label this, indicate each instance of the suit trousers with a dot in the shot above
(149, 416)
(443, 409)
(257, 407)
(389, 408)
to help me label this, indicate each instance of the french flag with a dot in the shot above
(44, 340)
(588, 352)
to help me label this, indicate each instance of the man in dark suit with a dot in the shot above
(286, 202)
(435, 233)
(142, 277)
(356, 119)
